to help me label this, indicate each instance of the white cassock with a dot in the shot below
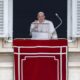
(44, 30)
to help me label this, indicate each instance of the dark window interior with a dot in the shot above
(25, 12)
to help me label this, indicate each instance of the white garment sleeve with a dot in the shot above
(54, 35)
(53, 31)
(31, 28)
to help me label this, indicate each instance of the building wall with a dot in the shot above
(7, 61)
(7, 57)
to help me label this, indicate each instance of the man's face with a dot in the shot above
(41, 17)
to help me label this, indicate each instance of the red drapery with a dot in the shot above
(40, 59)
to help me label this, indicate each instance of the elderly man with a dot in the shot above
(42, 28)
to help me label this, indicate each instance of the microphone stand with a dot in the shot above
(60, 21)
(58, 24)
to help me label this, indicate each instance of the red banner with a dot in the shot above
(40, 59)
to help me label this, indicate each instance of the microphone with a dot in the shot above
(57, 15)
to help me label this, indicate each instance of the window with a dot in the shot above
(73, 18)
(6, 18)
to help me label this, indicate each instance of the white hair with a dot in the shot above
(41, 13)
